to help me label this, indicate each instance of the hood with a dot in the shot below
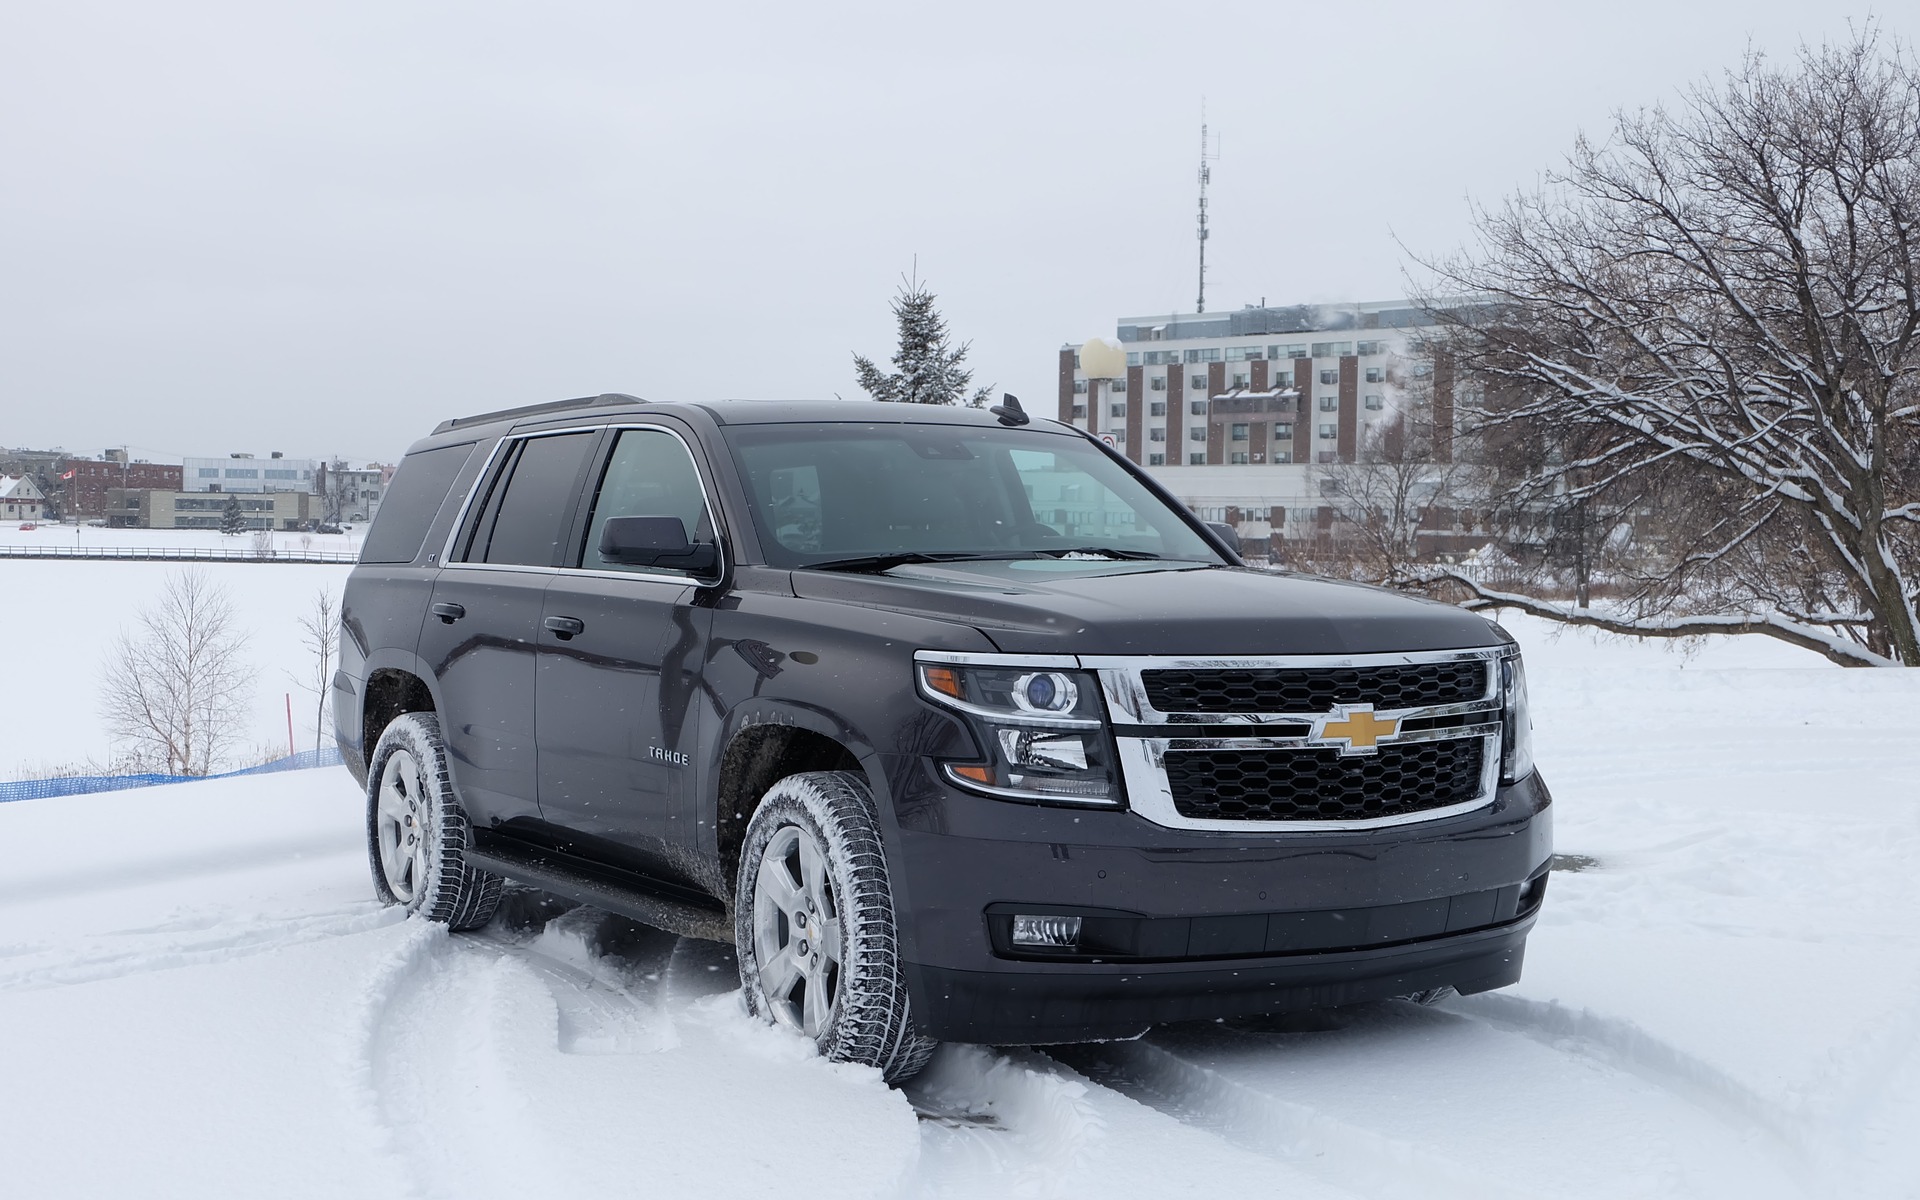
(1050, 606)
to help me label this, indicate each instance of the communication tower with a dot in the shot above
(1209, 152)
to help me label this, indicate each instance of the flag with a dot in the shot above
(70, 471)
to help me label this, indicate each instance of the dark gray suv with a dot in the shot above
(955, 724)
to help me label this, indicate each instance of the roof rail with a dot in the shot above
(534, 410)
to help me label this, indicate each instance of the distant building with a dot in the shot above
(353, 494)
(157, 508)
(82, 483)
(20, 499)
(245, 473)
(1241, 413)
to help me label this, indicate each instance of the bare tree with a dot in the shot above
(1391, 500)
(1716, 313)
(175, 688)
(320, 634)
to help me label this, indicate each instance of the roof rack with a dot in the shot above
(534, 410)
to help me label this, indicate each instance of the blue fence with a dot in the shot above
(81, 785)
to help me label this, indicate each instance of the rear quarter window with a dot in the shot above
(419, 488)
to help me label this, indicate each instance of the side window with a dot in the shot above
(413, 500)
(649, 474)
(522, 522)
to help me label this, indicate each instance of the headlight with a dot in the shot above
(1043, 729)
(1516, 723)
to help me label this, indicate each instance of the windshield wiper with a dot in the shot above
(886, 562)
(1103, 551)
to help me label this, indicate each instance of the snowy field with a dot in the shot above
(198, 996)
(66, 614)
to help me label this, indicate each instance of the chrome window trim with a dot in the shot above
(466, 504)
(520, 567)
(493, 458)
(706, 502)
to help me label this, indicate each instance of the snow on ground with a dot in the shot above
(88, 536)
(64, 615)
(199, 997)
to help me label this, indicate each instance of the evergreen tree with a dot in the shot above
(928, 367)
(232, 523)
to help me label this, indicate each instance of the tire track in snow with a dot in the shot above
(134, 952)
(1300, 1134)
(1345, 1114)
(1000, 1122)
(995, 1116)
(1623, 1045)
(369, 1038)
(606, 976)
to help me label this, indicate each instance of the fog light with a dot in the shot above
(1057, 933)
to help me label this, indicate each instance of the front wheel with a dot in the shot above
(417, 831)
(814, 925)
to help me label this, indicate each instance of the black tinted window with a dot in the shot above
(524, 526)
(418, 489)
(829, 491)
(649, 474)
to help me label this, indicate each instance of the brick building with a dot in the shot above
(1242, 414)
(81, 484)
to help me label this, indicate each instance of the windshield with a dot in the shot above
(833, 492)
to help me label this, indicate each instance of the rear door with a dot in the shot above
(618, 663)
(482, 627)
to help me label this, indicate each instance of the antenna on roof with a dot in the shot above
(1009, 410)
(1209, 153)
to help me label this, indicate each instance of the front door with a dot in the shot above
(619, 648)
(483, 623)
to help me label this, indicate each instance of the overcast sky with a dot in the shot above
(242, 226)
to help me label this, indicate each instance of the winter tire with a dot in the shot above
(417, 831)
(814, 925)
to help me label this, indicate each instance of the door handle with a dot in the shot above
(565, 628)
(448, 612)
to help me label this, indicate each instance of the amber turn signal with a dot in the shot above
(944, 680)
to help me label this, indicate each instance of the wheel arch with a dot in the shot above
(391, 689)
(763, 744)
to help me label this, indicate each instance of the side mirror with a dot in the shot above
(1227, 534)
(656, 542)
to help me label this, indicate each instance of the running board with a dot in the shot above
(564, 876)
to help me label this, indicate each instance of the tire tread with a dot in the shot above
(874, 1024)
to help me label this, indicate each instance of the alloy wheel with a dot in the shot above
(401, 825)
(796, 932)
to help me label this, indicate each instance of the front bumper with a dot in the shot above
(1227, 924)
(1083, 1003)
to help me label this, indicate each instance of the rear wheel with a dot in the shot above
(814, 925)
(417, 831)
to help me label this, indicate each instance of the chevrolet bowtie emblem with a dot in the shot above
(1354, 728)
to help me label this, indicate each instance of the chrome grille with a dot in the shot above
(1314, 689)
(1306, 743)
(1324, 785)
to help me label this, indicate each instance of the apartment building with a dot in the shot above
(352, 494)
(1241, 413)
